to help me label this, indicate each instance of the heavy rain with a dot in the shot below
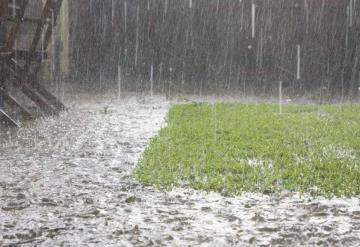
(179, 122)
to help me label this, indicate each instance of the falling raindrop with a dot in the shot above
(137, 34)
(253, 15)
(170, 83)
(100, 79)
(165, 7)
(125, 17)
(306, 7)
(260, 50)
(298, 62)
(350, 13)
(151, 80)
(160, 77)
(119, 82)
(42, 47)
(280, 96)
(242, 18)
(53, 51)
(91, 6)
(112, 12)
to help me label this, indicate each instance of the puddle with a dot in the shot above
(67, 182)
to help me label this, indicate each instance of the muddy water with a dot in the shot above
(67, 182)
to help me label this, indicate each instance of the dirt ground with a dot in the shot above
(67, 182)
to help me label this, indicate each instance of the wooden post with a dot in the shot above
(64, 26)
(3, 14)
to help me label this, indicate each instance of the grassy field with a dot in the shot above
(232, 148)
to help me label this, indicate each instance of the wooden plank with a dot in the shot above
(22, 83)
(38, 100)
(3, 29)
(12, 102)
(46, 13)
(26, 80)
(31, 83)
(27, 19)
(3, 9)
(47, 95)
(56, 9)
(18, 20)
(37, 56)
(7, 121)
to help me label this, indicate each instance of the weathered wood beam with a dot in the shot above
(50, 8)
(24, 54)
(7, 121)
(16, 27)
(31, 83)
(57, 104)
(38, 100)
(12, 102)
(27, 19)
(25, 79)
(3, 8)
(23, 84)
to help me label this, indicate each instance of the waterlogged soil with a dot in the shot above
(67, 181)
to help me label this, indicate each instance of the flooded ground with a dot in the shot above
(67, 182)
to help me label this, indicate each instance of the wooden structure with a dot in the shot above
(26, 28)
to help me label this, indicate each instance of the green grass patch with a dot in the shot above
(233, 148)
